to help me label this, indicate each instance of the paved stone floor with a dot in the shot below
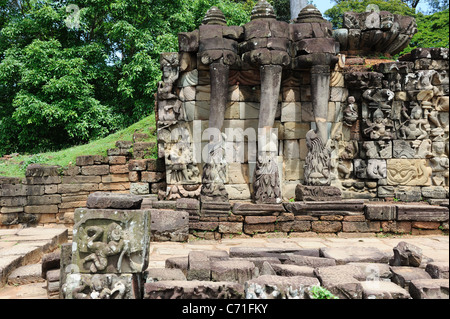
(435, 247)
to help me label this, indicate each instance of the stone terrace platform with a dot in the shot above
(26, 246)
(20, 247)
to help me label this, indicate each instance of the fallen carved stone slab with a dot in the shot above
(111, 241)
(279, 287)
(195, 289)
(105, 286)
(422, 213)
(317, 193)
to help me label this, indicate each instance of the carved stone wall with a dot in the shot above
(398, 145)
(379, 132)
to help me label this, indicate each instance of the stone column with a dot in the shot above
(320, 93)
(215, 167)
(266, 181)
(317, 167)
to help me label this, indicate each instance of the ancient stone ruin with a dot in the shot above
(268, 127)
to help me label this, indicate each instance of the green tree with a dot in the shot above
(433, 31)
(63, 84)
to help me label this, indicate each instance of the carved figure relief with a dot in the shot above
(413, 172)
(111, 241)
(379, 128)
(108, 286)
(350, 112)
(317, 167)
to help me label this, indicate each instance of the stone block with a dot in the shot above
(238, 191)
(293, 226)
(44, 180)
(124, 186)
(260, 219)
(152, 177)
(111, 286)
(396, 227)
(95, 170)
(115, 178)
(118, 169)
(167, 225)
(342, 281)
(429, 288)
(326, 226)
(13, 201)
(403, 276)
(123, 234)
(231, 227)
(41, 209)
(13, 190)
(103, 200)
(437, 270)
(163, 274)
(76, 188)
(293, 169)
(38, 170)
(422, 213)
(280, 287)
(174, 289)
(437, 192)
(291, 149)
(409, 172)
(199, 266)
(293, 270)
(44, 200)
(345, 255)
(310, 261)
(295, 130)
(383, 290)
(317, 193)
(291, 112)
(380, 212)
(137, 165)
(238, 173)
(232, 271)
(253, 229)
(426, 225)
(139, 188)
(361, 227)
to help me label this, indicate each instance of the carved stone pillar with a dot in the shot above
(320, 93)
(219, 53)
(215, 167)
(266, 47)
(266, 181)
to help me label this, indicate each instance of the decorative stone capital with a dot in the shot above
(263, 10)
(214, 16)
(310, 14)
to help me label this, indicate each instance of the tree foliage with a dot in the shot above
(336, 13)
(63, 84)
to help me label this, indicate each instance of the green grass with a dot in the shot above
(16, 166)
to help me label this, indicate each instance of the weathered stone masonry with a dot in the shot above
(373, 137)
